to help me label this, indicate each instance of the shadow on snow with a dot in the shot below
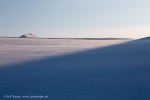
(118, 72)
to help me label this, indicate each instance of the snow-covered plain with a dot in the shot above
(18, 50)
(72, 69)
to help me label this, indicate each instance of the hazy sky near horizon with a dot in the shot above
(75, 18)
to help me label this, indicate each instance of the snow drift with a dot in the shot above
(116, 72)
(145, 38)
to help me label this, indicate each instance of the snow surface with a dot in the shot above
(75, 69)
(17, 50)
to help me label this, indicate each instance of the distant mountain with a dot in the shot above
(29, 35)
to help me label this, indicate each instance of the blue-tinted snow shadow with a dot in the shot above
(118, 72)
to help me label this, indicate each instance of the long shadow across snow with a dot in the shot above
(118, 72)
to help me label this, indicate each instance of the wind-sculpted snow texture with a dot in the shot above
(16, 50)
(79, 70)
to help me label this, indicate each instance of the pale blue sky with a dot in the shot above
(75, 18)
